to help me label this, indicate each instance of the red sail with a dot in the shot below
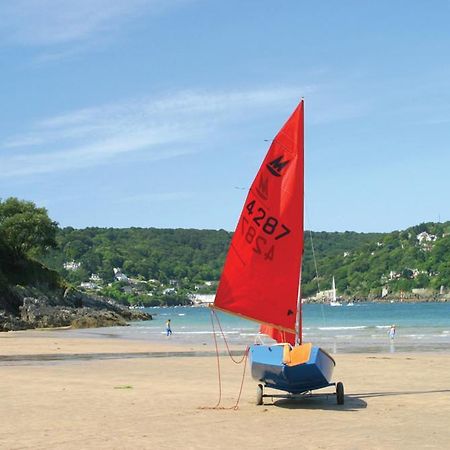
(261, 276)
(278, 335)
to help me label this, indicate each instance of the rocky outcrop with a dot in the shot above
(34, 296)
(70, 308)
(8, 322)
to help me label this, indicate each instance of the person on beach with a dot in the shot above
(168, 329)
(392, 332)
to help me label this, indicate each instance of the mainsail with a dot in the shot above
(277, 335)
(261, 276)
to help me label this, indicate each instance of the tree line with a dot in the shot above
(362, 263)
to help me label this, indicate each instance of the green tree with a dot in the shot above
(26, 228)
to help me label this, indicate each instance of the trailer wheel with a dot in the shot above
(259, 394)
(340, 393)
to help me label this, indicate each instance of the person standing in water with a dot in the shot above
(392, 332)
(168, 329)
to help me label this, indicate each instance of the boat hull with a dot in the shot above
(269, 368)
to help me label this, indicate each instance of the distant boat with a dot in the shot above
(350, 304)
(334, 301)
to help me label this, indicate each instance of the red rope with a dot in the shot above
(236, 406)
(243, 359)
(226, 343)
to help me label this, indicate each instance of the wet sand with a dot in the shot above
(399, 401)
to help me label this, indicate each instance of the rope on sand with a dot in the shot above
(240, 361)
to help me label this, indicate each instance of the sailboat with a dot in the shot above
(261, 278)
(334, 301)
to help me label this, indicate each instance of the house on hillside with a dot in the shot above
(119, 275)
(169, 291)
(72, 265)
(425, 237)
(394, 275)
(88, 285)
(203, 299)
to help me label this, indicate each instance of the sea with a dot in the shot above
(363, 327)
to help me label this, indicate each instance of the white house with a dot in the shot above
(425, 237)
(169, 291)
(88, 285)
(394, 275)
(118, 275)
(203, 299)
(72, 265)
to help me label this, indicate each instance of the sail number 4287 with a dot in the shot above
(269, 224)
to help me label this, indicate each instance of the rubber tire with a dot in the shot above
(259, 394)
(340, 393)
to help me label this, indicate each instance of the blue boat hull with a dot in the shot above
(267, 367)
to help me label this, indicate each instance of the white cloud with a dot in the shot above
(165, 127)
(92, 153)
(50, 22)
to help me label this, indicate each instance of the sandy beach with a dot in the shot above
(393, 401)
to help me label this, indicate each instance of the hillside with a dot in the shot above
(416, 258)
(150, 253)
(187, 257)
(363, 263)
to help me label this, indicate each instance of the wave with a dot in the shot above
(218, 333)
(358, 327)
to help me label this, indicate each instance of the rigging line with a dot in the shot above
(226, 342)
(317, 273)
(317, 277)
(236, 406)
(244, 358)
(315, 260)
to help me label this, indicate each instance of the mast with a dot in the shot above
(334, 290)
(298, 321)
(301, 163)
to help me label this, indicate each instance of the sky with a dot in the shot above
(157, 113)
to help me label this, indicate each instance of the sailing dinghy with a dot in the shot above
(334, 301)
(261, 277)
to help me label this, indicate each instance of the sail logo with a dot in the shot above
(276, 166)
(263, 187)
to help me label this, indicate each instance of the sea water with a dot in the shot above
(363, 327)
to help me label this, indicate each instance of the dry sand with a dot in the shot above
(393, 401)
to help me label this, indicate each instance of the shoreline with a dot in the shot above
(71, 344)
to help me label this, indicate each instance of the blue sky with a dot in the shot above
(155, 113)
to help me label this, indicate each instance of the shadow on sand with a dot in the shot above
(319, 401)
(353, 402)
(392, 394)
